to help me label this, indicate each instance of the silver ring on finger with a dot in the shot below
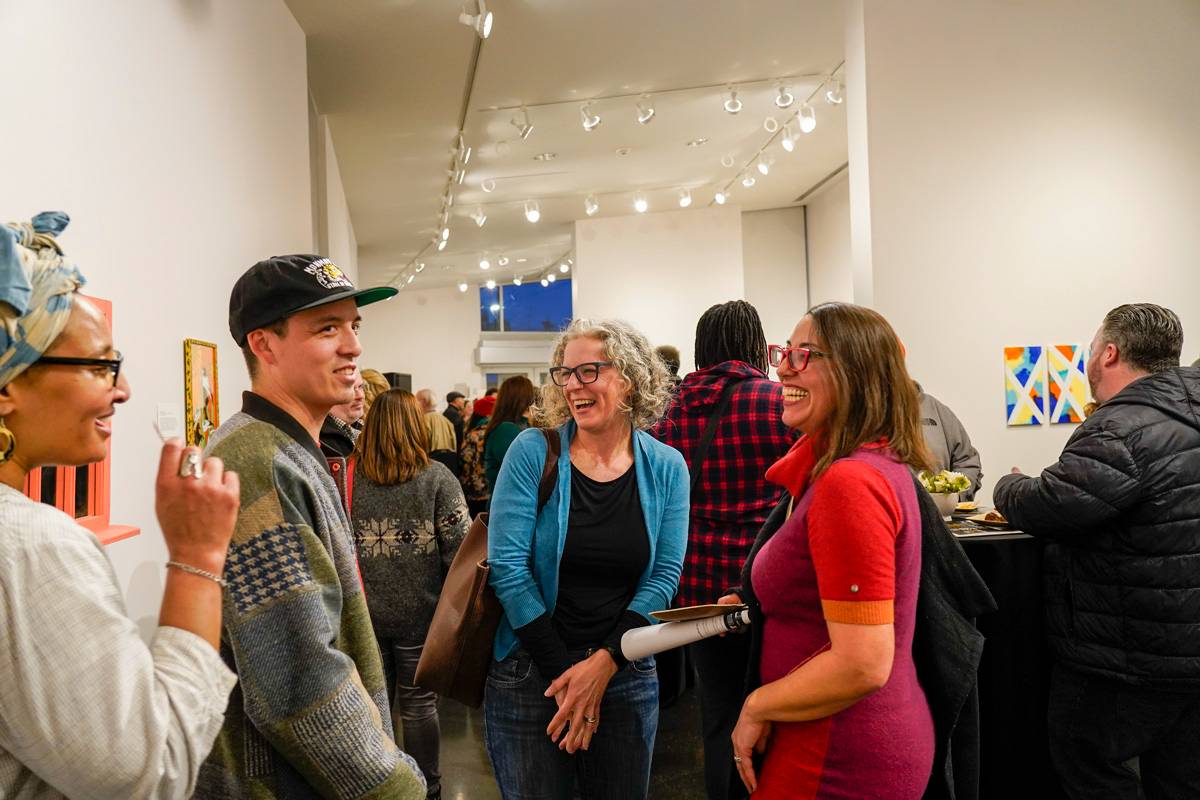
(192, 466)
(737, 759)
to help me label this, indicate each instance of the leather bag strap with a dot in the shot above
(710, 430)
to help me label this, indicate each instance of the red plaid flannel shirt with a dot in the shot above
(732, 498)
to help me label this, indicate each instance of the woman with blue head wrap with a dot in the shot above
(87, 709)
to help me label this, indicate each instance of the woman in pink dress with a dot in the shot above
(839, 712)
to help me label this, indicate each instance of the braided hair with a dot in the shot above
(731, 332)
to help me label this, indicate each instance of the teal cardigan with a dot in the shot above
(525, 547)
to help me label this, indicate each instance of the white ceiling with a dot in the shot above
(392, 75)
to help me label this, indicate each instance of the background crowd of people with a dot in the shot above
(309, 545)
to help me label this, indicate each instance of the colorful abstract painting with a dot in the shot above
(1068, 382)
(1025, 385)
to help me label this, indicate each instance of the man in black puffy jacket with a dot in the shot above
(1121, 514)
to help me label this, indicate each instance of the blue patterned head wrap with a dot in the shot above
(36, 285)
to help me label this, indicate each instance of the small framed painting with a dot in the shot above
(201, 412)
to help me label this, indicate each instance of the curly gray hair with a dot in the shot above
(636, 364)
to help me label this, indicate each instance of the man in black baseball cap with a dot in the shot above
(312, 703)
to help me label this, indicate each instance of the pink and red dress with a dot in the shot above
(849, 553)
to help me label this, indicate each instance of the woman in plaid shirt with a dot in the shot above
(730, 502)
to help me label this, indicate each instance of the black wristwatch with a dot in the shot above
(612, 653)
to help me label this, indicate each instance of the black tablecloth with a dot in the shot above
(1014, 676)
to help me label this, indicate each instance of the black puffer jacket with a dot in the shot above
(1121, 509)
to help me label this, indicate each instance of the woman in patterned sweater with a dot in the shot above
(409, 517)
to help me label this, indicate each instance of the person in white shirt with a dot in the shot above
(87, 709)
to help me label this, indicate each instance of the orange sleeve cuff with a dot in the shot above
(860, 612)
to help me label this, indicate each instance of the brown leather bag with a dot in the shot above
(458, 648)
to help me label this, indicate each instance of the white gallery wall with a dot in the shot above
(773, 266)
(339, 242)
(659, 271)
(830, 268)
(430, 334)
(175, 135)
(1031, 166)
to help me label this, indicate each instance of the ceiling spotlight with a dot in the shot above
(464, 150)
(564, 267)
(748, 181)
(488, 185)
(485, 264)
(785, 98)
(479, 216)
(787, 142)
(462, 287)
(589, 120)
(545, 282)
(481, 22)
(502, 261)
(516, 280)
(441, 245)
(697, 141)
(727, 161)
(639, 203)
(808, 118)
(591, 205)
(421, 266)
(445, 233)
(685, 198)
(764, 165)
(545, 156)
(533, 212)
(770, 124)
(522, 124)
(645, 110)
(733, 105)
(410, 279)
(720, 197)
(833, 94)
(448, 200)
(460, 176)
(491, 285)
(550, 276)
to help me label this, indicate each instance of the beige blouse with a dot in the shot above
(87, 709)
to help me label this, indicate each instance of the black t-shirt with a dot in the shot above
(606, 552)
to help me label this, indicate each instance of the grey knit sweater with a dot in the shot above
(407, 535)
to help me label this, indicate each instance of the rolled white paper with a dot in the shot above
(651, 639)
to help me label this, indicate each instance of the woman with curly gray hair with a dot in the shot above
(562, 703)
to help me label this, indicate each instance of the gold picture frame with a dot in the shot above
(201, 400)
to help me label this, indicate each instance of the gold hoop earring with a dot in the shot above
(8, 442)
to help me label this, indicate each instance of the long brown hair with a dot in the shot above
(515, 398)
(874, 397)
(394, 443)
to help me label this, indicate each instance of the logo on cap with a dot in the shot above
(328, 274)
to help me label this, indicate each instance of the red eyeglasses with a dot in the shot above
(797, 357)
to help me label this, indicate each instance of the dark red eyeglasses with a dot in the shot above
(797, 357)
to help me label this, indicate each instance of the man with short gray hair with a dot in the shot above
(1120, 511)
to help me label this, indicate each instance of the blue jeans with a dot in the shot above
(529, 766)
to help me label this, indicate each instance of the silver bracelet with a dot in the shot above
(188, 568)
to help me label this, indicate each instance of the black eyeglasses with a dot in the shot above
(797, 357)
(585, 373)
(113, 364)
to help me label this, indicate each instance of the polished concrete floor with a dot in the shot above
(677, 773)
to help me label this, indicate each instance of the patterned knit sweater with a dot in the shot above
(407, 535)
(309, 717)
